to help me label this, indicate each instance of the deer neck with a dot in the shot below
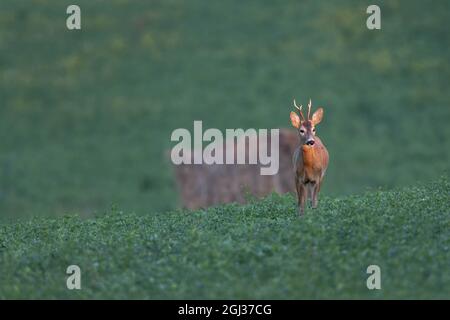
(309, 153)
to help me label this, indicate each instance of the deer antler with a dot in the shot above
(300, 110)
(309, 109)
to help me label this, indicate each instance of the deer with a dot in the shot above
(310, 158)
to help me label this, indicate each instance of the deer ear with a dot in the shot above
(295, 120)
(317, 116)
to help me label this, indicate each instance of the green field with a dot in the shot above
(260, 250)
(86, 116)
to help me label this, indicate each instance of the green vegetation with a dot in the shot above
(86, 117)
(260, 250)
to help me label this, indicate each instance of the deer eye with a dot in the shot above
(302, 131)
(314, 130)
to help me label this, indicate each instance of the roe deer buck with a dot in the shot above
(310, 159)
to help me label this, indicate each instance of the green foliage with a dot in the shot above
(86, 117)
(259, 250)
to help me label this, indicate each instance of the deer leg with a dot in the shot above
(310, 195)
(315, 194)
(300, 197)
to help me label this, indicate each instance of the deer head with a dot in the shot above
(306, 126)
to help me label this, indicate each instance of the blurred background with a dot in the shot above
(86, 116)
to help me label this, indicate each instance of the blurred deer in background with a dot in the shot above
(310, 158)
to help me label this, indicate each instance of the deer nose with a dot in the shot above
(310, 142)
